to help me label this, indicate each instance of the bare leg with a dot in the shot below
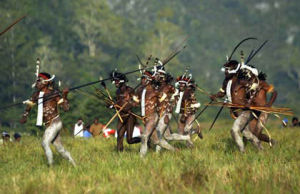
(188, 127)
(263, 117)
(181, 125)
(121, 128)
(242, 124)
(238, 124)
(174, 136)
(51, 135)
(160, 129)
(149, 127)
(59, 147)
(48, 136)
(130, 127)
(250, 136)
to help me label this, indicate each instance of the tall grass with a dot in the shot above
(213, 166)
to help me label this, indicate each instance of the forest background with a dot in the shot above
(79, 41)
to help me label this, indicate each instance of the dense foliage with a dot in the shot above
(81, 40)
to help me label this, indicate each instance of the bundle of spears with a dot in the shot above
(274, 110)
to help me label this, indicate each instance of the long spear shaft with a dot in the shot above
(108, 101)
(10, 26)
(115, 104)
(201, 112)
(109, 96)
(219, 112)
(48, 97)
(55, 94)
(115, 115)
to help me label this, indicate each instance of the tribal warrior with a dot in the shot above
(186, 105)
(47, 98)
(235, 87)
(166, 99)
(147, 95)
(124, 96)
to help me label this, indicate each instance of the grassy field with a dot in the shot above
(213, 166)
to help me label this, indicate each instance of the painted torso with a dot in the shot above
(260, 98)
(165, 106)
(50, 108)
(187, 100)
(151, 99)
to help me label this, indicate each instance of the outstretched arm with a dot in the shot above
(29, 104)
(221, 92)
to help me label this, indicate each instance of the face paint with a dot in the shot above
(144, 81)
(40, 83)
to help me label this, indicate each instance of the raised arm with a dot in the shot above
(270, 89)
(62, 100)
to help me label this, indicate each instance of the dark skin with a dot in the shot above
(151, 97)
(238, 87)
(238, 91)
(124, 96)
(238, 97)
(151, 101)
(238, 94)
(164, 105)
(186, 109)
(260, 99)
(182, 87)
(261, 96)
(228, 77)
(187, 100)
(18, 139)
(50, 105)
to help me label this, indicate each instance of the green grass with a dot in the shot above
(213, 166)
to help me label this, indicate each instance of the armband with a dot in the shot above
(197, 105)
(29, 103)
(136, 99)
(175, 94)
(163, 97)
(60, 101)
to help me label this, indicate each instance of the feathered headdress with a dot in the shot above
(117, 76)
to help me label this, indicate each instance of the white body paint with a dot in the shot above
(39, 120)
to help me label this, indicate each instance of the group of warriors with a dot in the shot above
(243, 88)
(159, 100)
